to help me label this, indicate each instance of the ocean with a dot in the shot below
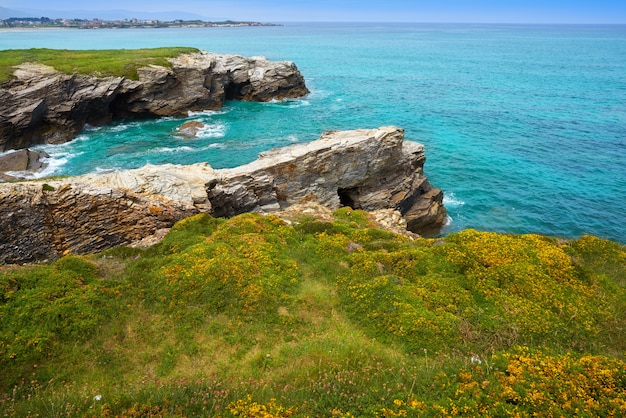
(524, 126)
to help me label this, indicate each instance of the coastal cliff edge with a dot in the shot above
(42, 105)
(367, 169)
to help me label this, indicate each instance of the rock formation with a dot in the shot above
(387, 219)
(365, 169)
(190, 129)
(39, 221)
(42, 105)
(21, 161)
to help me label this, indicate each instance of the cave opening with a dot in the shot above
(349, 197)
(236, 91)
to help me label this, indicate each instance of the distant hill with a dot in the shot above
(105, 14)
(7, 13)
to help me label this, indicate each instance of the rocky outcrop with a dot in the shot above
(387, 219)
(190, 129)
(42, 105)
(23, 160)
(39, 221)
(365, 169)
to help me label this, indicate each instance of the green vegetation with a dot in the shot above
(254, 317)
(101, 63)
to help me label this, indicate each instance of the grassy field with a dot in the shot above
(101, 63)
(253, 317)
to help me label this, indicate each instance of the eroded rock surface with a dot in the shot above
(365, 169)
(41, 105)
(39, 221)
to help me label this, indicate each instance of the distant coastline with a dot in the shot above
(47, 23)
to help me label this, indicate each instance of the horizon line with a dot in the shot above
(451, 22)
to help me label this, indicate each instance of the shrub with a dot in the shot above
(250, 316)
(235, 267)
(44, 306)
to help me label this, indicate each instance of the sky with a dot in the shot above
(478, 11)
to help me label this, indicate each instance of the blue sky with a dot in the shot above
(500, 11)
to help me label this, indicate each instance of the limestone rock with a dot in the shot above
(151, 240)
(185, 184)
(393, 221)
(41, 105)
(44, 221)
(44, 106)
(22, 160)
(365, 169)
(314, 210)
(5, 177)
(190, 129)
(387, 219)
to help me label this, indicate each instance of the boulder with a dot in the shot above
(23, 160)
(42, 105)
(190, 129)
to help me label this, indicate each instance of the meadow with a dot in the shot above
(256, 317)
(100, 63)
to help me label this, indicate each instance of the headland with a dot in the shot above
(370, 169)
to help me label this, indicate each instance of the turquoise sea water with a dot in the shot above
(524, 126)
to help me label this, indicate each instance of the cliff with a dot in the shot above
(364, 169)
(42, 105)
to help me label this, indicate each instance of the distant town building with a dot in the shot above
(96, 23)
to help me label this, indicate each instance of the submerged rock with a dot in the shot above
(190, 129)
(42, 105)
(369, 169)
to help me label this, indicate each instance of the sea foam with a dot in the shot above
(450, 200)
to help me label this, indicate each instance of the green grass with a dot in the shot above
(100, 63)
(254, 317)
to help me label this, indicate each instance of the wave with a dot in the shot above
(193, 114)
(91, 128)
(320, 94)
(53, 165)
(450, 200)
(171, 150)
(208, 130)
(105, 170)
(165, 119)
(118, 128)
(7, 152)
(213, 130)
(288, 103)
